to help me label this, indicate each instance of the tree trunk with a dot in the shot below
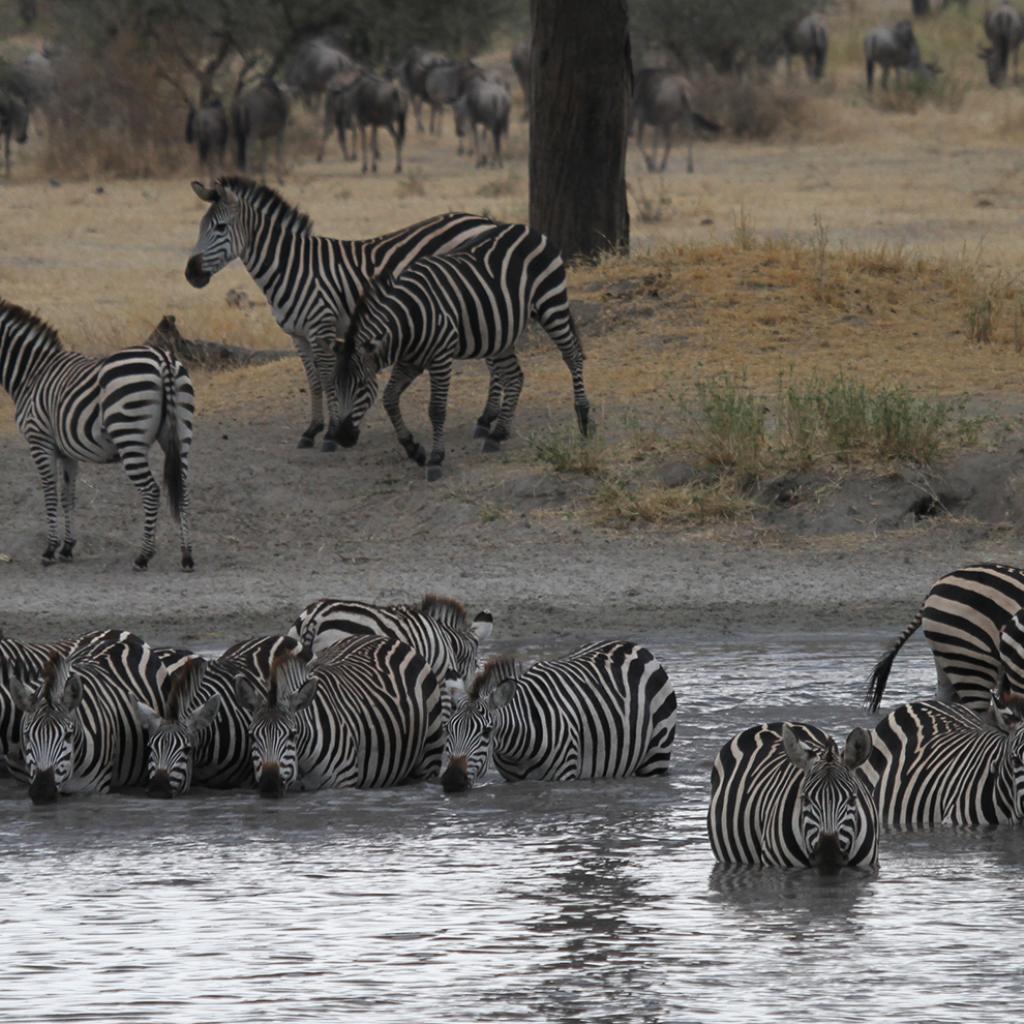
(580, 96)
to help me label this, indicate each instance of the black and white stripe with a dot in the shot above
(366, 713)
(783, 795)
(471, 304)
(312, 283)
(71, 408)
(605, 711)
(963, 616)
(935, 763)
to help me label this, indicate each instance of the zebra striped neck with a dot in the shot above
(27, 345)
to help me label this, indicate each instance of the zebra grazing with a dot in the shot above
(963, 615)
(366, 714)
(940, 764)
(783, 795)
(79, 728)
(472, 304)
(217, 754)
(71, 408)
(312, 283)
(605, 711)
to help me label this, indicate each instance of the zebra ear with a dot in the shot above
(458, 694)
(24, 696)
(857, 749)
(201, 720)
(300, 699)
(72, 695)
(500, 695)
(797, 752)
(147, 718)
(208, 195)
(483, 625)
(245, 692)
(228, 195)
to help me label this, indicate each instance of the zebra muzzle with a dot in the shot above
(271, 783)
(43, 788)
(194, 273)
(829, 856)
(160, 786)
(347, 433)
(455, 778)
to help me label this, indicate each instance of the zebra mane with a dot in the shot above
(444, 609)
(269, 202)
(55, 676)
(500, 667)
(287, 667)
(30, 322)
(183, 687)
(376, 289)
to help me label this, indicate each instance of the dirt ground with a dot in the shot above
(276, 527)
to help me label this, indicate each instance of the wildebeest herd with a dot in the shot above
(371, 696)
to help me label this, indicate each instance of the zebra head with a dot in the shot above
(274, 726)
(50, 728)
(222, 234)
(473, 720)
(172, 737)
(831, 815)
(463, 637)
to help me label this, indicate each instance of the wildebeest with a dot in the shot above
(807, 38)
(413, 74)
(1004, 28)
(338, 111)
(894, 47)
(207, 129)
(261, 114)
(312, 67)
(485, 101)
(13, 123)
(443, 85)
(661, 98)
(521, 66)
(379, 103)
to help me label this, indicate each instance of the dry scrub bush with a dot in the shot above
(752, 107)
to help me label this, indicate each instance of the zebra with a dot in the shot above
(438, 628)
(606, 710)
(71, 408)
(366, 713)
(79, 729)
(472, 304)
(311, 282)
(215, 753)
(783, 795)
(963, 616)
(935, 763)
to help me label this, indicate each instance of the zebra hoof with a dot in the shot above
(141, 564)
(433, 473)
(491, 446)
(305, 442)
(48, 558)
(66, 555)
(480, 430)
(187, 565)
(329, 446)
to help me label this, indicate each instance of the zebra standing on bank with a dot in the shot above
(79, 728)
(783, 795)
(935, 763)
(366, 713)
(438, 628)
(71, 408)
(472, 304)
(963, 616)
(187, 747)
(312, 283)
(605, 711)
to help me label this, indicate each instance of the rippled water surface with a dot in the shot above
(584, 901)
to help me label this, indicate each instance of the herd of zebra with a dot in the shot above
(363, 695)
(455, 286)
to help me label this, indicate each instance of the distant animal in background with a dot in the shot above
(521, 66)
(443, 86)
(379, 103)
(207, 130)
(807, 38)
(661, 99)
(339, 102)
(1004, 28)
(13, 124)
(71, 408)
(413, 74)
(894, 47)
(313, 66)
(260, 115)
(485, 101)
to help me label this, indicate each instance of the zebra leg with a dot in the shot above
(401, 377)
(510, 374)
(316, 418)
(493, 406)
(558, 323)
(69, 472)
(440, 378)
(323, 360)
(135, 459)
(45, 458)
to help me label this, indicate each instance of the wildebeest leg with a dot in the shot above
(478, 149)
(885, 77)
(440, 378)
(497, 145)
(870, 66)
(362, 143)
(493, 404)
(417, 109)
(510, 373)
(316, 419)
(375, 149)
(7, 154)
(397, 140)
(328, 128)
(667, 130)
(401, 377)
(45, 458)
(69, 471)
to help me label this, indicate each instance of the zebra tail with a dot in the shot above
(174, 479)
(880, 674)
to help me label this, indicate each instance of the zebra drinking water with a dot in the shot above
(963, 616)
(472, 304)
(312, 283)
(783, 795)
(366, 713)
(605, 711)
(71, 408)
